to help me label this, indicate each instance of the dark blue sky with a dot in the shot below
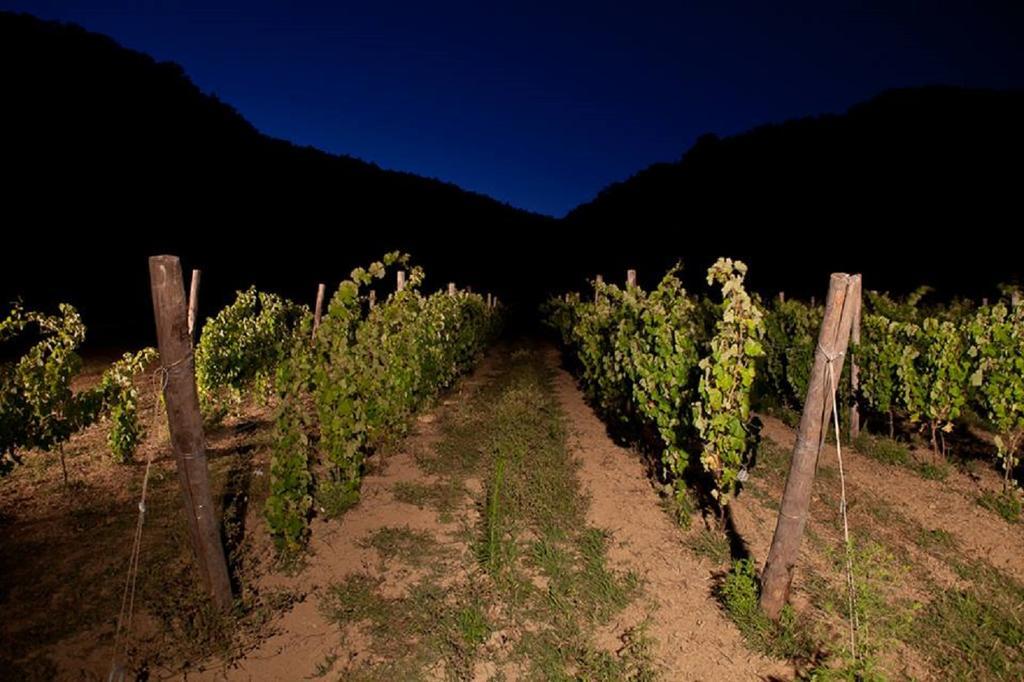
(543, 104)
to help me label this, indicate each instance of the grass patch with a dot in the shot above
(772, 457)
(443, 497)
(711, 544)
(413, 547)
(882, 449)
(937, 539)
(975, 633)
(890, 451)
(739, 593)
(1006, 504)
(431, 625)
(932, 471)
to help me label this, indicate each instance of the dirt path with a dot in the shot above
(507, 538)
(694, 640)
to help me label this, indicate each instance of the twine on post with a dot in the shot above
(850, 584)
(125, 616)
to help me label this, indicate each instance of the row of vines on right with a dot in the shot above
(681, 370)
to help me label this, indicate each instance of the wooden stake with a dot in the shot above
(630, 278)
(833, 340)
(855, 293)
(489, 303)
(319, 307)
(598, 280)
(451, 288)
(373, 298)
(400, 281)
(186, 425)
(193, 304)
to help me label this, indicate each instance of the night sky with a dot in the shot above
(541, 105)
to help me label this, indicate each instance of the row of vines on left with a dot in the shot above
(344, 388)
(39, 408)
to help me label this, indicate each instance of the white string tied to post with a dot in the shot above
(850, 584)
(125, 616)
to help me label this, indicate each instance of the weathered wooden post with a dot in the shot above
(598, 281)
(630, 278)
(451, 288)
(193, 303)
(833, 340)
(489, 300)
(186, 424)
(318, 310)
(373, 298)
(856, 300)
(400, 281)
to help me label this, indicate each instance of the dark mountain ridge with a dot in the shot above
(110, 156)
(915, 185)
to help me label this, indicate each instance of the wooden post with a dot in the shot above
(489, 300)
(984, 301)
(193, 304)
(630, 278)
(598, 280)
(318, 310)
(451, 288)
(833, 340)
(373, 298)
(400, 281)
(782, 297)
(814, 301)
(855, 300)
(186, 425)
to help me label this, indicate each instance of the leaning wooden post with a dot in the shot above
(193, 303)
(186, 424)
(630, 278)
(833, 340)
(451, 288)
(855, 294)
(318, 310)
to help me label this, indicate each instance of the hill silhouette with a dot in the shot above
(110, 156)
(915, 185)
